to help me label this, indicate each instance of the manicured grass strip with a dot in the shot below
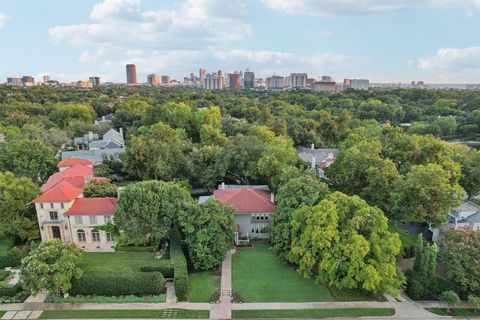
(2, 313)
(203, 286)
(312, 313)
(119, 314)
(259, 276)
(124, 261)
(455, 312)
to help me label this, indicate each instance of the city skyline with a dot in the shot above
(431, 40)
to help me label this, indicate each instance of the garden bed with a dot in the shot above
(107, 299)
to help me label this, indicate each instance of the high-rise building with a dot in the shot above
(360, 84)
(249, 79)
(28, 81)
(14, 81)
(310, 83)
(131, 74)
(234, 81)
(327, 79)
(46, 78)
(325, 86)
(275, 82)
(165, 80)
(201, 74)
(297, 80)
(153, 79)
(84, 84)
(95, 81)
(214, 81)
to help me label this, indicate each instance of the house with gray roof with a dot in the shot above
(467, 214)
(92, 148)
(319, 159)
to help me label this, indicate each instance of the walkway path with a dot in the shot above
(171, 296)
(223, 310)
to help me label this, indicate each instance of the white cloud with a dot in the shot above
(452, 59)
(191, 24)
(89, 56)
(3, 19)
(326, 8)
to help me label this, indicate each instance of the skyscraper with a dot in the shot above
(153, 79)
(131, 74)
(95, 81)
(248, 79)
(234, 80)
(202, 73)
(46, 78)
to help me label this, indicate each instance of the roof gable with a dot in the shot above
(93, 206)
(72, 161)
(62, 192)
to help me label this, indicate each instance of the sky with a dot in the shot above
(437, 41)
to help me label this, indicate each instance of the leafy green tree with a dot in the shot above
(17, 215)
(423, 278)
(149, 209)
(470, 180)
(475, 301)
(209, 233)
(460, 251)
(344, 243)
(175, 114)
(100, 189)
(279, 154)
(159, 152)
(130, 112)
(212, 136)
(451, 298)
(51, 266)
(425, 194)
(28, 158)
(305, 190)
(63, 113)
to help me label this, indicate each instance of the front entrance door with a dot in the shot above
(56, 233)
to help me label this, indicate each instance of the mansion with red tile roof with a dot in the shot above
(254, 208)
(63, 213)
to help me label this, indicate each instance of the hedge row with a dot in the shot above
(137, 249)
(180, 279)
(10, 291)
(113, 284)
(166, 268)
(11, 258)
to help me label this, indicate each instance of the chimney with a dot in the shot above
(222, 187)
(313, 146)
(314, 161)
(272, 197)
(103, 118)
(90, 136)
(121, 131)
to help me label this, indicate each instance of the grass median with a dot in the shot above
(312, 313)
(122, 314)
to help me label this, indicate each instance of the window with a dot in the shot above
(95, 236)
(61, 204)
(81, 235)
(93, 219)
(78, 220)
(41, 205)
(108, 219)
(51, 205)
(110, 237)
(53, 215)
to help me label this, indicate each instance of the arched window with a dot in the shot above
(95, 236)
(81, 235)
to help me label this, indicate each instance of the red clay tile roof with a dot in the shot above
(93, 206)
(72, 173)
(72, 161)
(246, 200)
(64, 191)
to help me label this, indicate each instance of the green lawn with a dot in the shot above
(312, 313)
(2, 313)
(455, 312)
(407, 239)
(119, 314)
(122, 261)
(203, 286)
(259, 276)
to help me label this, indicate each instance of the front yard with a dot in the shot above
(119, 314)
(121, 261)
(259, 276)
(312, 313)
(203, 286)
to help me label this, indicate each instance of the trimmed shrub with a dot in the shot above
(11, 258)
(137, 249)
(177, 256)
(110, 284)
(166, 270)
(10, 291)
